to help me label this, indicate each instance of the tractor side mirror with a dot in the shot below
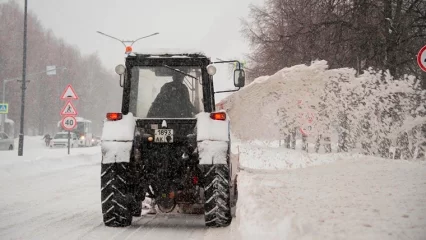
(120, 70)
(239, 78)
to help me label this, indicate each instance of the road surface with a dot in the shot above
(348, 199)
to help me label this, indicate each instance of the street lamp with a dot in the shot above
(24, 71)
(3, 117)
(128, 48)
(18, 79)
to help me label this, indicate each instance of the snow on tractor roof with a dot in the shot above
(177, 53)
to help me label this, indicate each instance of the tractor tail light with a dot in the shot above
(218, 116)
(195, 180)
(114, 116)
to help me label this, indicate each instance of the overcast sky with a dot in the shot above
(210, 26)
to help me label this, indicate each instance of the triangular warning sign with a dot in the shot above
(68, 109)
(69, 93)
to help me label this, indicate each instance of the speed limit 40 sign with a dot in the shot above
(69, 123)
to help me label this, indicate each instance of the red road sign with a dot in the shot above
(421, 58)
(69, 110)
(69, 123)
(69, 93)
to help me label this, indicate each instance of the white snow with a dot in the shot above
(117, 139)
(116, 151)
(209, 129)
(343, 197)
(212, 152)
(47, 194)
(171, 51)
(315, 96)
(212, 138)
(267, 158)
(38, 159)
(121, 130)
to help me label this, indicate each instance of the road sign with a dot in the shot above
(421, 58)
(69, 93)
(69, 109)
(4, 108)
(69, 123)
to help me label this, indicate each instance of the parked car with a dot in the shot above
(6, 142)
(61, 140)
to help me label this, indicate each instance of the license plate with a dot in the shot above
(162, 134)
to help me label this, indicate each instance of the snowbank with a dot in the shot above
(266, 158)
(327, 102)
(38, 159)
(258, 155)
(254, 109)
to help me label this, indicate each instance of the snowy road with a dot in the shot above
(50, 198)
(349, 199)
(65, 204)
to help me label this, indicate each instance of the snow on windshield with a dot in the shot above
(160, 92)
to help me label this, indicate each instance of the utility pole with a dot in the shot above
(24, 69)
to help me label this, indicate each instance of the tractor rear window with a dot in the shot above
(166, 92)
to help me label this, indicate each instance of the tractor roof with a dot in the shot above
(168, 53)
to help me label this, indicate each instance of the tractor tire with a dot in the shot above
(136, 208)
(217, 197)
(116, 202)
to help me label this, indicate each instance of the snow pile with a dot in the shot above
(258, 155)
(38, 159)
(262, 157)
(372, 111)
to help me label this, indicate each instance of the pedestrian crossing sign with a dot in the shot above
(4, 108)
(69, 110)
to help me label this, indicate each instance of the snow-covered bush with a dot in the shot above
(371, 112)
(376, 111)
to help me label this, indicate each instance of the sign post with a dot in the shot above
(68, 112)
(69, 123)
(421, 58)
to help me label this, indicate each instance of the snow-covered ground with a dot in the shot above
(283, 194)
